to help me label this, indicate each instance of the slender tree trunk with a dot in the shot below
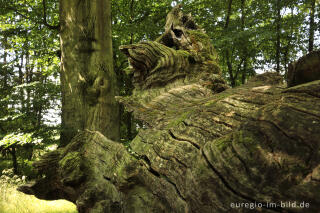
(230, 70)
(21, 80)
(278, 31)
(5, 79)
(227, 53)
(5, 55)
(28, 78)
(14, 160)
(286, 51)
(311, 25)
(245, 51)
(88, 81)
(244, 71)
(129, 83)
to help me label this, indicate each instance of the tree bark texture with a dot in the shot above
(312, 25)
(87, 78)
(202, 146)
(304, 70)
(278, 35)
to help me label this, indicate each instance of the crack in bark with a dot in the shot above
(157, 174)
(284, 133)
(247, 101)
(219, 122)
(236, 106)
(107, 178)
(268, 141)
(231, 117)
(240, 159)
(155, 103)
(149, 167)
(175, 187)
(178, 96)
(302, 111)
(239, 194)
(301, 91)
(223, 123)
(246, 117)
(312, 150)
(216, 135)
(185, 140)
(264, 93)
(169, 158)
(315, 180)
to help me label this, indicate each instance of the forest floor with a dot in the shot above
(12, 201)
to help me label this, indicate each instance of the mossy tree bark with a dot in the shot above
(258, 143)
(203, 147)
(87, 78)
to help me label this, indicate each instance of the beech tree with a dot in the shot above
(88, 82)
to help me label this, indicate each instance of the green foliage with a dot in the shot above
(29, 85)
(18, 139)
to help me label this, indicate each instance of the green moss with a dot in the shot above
(217, 98)
(70, 167)
(184, 53)
(241, 136)
(223, 143)
(199, 36)
(70, 159)
(245, 137)
(179, 119)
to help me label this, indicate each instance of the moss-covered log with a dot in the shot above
(203, 147)
(306, 69)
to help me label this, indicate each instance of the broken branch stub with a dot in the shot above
(183, 52)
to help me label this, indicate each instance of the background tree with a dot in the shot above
(28, 75)
(88, 82)
(312, 25)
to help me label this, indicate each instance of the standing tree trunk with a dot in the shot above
(5, 71)
(288, 46)
(311, 25)
(5, 55)
(245, 50)
(227, 53)
(14, 159)
(278, 30)
(88, 80)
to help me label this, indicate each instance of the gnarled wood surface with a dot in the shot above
(202, 148)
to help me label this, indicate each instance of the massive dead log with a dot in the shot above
(203, 147)
(306, 69)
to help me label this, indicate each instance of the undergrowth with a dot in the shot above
(13, 201)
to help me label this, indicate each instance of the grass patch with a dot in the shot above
(12, 201)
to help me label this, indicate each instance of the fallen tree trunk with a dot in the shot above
(256, 143)
(203, 147)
